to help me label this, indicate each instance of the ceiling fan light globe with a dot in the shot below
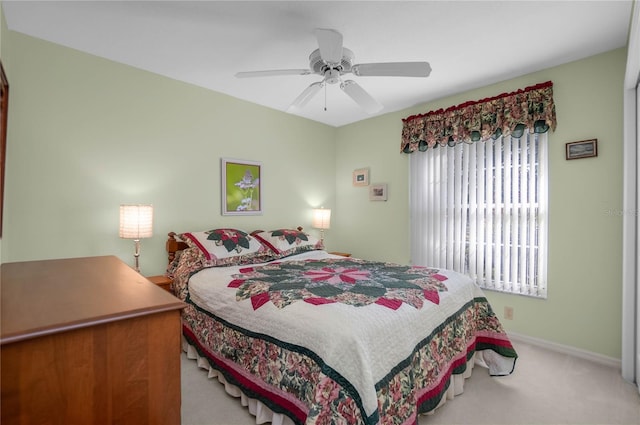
(332, 76)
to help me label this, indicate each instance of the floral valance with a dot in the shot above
(506, 114)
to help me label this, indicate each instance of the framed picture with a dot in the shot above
(378, 192)
(582, 149)
(241, 187)
(361, 177)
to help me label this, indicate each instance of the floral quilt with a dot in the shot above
(330, 340)
(344, 280)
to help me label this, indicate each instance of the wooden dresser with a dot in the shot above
(87, 341)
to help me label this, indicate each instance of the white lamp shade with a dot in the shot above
(321, 218)
(136, 221)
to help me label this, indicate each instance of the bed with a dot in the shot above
(303, 336)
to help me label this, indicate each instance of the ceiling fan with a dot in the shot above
(331, 61)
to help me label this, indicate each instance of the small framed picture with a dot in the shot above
(582, 149)
(361, 177)
(378, 192)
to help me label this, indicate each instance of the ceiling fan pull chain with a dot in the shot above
(325, 97)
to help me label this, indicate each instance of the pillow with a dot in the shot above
(285, 242)
(224, 247)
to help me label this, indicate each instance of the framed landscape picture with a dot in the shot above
(241, 187)
(582, 149)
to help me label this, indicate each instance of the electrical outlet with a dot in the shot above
(508, 313)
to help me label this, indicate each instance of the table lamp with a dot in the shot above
(321, 220)
(136, 222)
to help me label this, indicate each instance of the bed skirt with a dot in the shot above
(264, 415)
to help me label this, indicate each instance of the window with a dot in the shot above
(481, 209)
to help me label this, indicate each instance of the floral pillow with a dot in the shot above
(285, 242)
(224, 247)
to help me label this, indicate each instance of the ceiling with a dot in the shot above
(468, 44)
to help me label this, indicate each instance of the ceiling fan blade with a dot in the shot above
(330, 43)
(361, 97)
(307, 94)
(392, 69)
(273, 73)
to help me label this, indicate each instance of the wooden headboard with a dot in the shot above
(173, 245)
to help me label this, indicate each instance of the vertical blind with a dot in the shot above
(481, 209)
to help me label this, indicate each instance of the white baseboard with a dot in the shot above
(566, 349)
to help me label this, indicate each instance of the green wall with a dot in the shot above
(584, 302)
(87, 134)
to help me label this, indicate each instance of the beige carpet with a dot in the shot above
(546, 388)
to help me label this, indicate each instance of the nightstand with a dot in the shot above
(343, 254)
(162, 281)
